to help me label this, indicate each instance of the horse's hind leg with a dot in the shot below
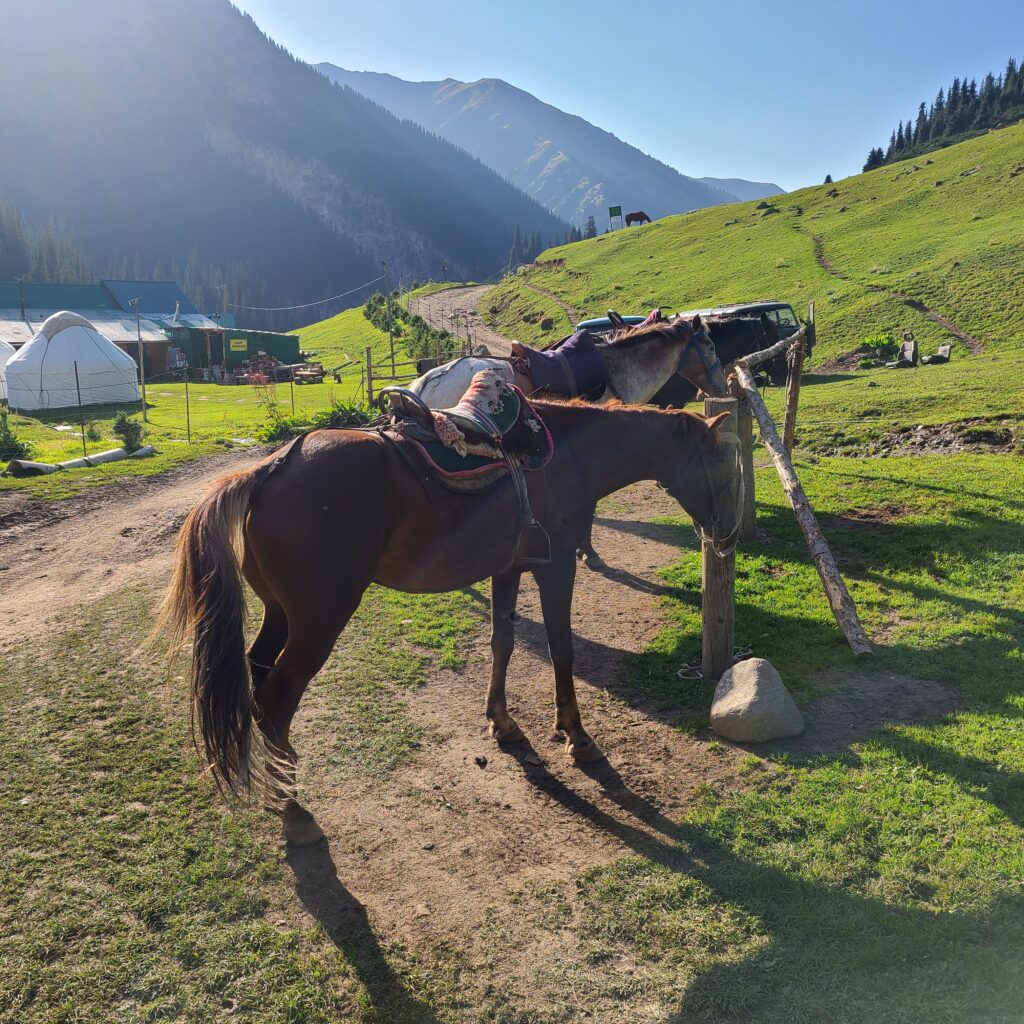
(556, 583)
(273, 633)
(585, 552)
(504, 591)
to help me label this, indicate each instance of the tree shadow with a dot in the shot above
(344, 920)
(878, 955)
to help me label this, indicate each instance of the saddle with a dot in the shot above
(492, 432)
(574, 367)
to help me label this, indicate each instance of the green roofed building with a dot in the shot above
(172, 331)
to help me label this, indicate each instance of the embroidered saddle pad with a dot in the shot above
(575, 367)
(493, 422)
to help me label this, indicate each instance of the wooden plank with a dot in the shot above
(796, 372)
(843, 608)
(745, 432)
(718, 590)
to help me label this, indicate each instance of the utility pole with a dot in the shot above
(142, 363)
(387, 299)
(444, 270)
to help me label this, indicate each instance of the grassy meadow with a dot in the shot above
(944, 229)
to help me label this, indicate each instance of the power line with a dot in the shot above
(305, 305)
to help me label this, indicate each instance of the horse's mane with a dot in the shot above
(630, 337)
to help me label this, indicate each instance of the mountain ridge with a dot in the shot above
(252, 158)
(575, 168)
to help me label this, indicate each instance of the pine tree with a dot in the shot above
(590, 231)
(828, 179)
(899, 139)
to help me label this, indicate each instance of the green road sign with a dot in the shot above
(614, 211)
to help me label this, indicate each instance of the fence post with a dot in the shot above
(292, 383)
(81, 416)
(188, 415)
(745, 432)
(796, 369)
(369, 376)
(718, 575)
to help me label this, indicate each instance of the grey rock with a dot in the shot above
(752, 705)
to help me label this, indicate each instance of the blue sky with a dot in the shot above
(786, 91)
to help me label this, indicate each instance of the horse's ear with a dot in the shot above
(695, 323)
(714, 422)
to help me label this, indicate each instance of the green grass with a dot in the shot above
(956, 246)
(128, 892)
(344, 338)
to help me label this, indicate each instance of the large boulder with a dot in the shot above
(751, 704)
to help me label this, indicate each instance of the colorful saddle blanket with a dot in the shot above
(575, 367)
(492, 423)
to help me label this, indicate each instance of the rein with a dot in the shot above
(709, 368)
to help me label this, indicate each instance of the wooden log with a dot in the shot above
(843, 608)
(780, 347)
(745, 432)
(796, 372)
(718, 589)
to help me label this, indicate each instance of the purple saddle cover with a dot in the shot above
(573, 368)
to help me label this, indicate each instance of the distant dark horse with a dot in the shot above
(639, 217)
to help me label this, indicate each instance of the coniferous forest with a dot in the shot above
(957, 113)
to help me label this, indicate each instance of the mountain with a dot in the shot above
(934, 247)
(574, 168)
(172, 135)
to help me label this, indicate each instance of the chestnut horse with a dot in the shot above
(312, 529)
(639, 217)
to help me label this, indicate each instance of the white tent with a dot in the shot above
(41, 375)
(6, 351)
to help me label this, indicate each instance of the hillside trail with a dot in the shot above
(438, 307)
(574, 315)
(915, 304)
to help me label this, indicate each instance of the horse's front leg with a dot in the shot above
(504, 592)
(585, 552)
(556, 585)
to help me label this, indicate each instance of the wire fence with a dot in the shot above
(177, 410)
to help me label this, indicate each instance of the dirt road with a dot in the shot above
(465, 303)
(54, 555)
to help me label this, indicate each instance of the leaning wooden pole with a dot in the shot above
(796, 372)
(843, 608)
(718, 588)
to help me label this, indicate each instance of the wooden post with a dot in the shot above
(745, 432)
(718, 575)
(369, 375)
(796, 370)
(843, 608)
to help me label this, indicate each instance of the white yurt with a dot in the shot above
(41, 375)
(6, 351)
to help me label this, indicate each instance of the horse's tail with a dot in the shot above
(206, 603)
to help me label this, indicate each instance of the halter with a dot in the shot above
(722, 546)
(709, 368)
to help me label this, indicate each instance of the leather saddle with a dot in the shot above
(492, 432)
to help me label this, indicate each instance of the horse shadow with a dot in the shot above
(880, 953)
(345, 922)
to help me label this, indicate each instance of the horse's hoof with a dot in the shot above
(300, 828)
(592, 560)
(584, 749)
(511, 733)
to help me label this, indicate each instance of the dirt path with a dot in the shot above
(54, 555)
(574, 315)
(908, 300)
(437, 310)
(466, 831)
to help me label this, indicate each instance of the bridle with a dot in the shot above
(695, 337)
(722, 545)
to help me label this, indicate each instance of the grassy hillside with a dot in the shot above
(944, 231)
(340, 338)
